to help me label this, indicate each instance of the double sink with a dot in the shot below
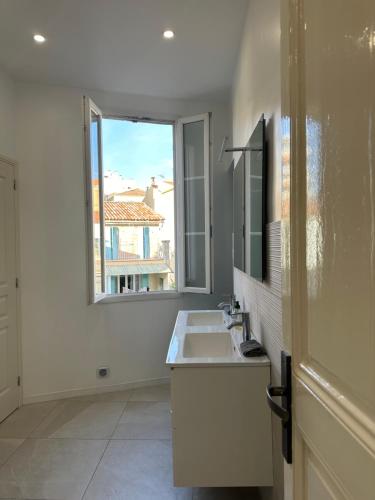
(207, 343)
(201, 337)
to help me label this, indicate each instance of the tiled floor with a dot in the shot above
(110, 446)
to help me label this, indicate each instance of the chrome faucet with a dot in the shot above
(228, 307)
(245, 323)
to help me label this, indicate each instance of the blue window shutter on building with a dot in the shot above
(146, 242)
(114, 284)
(114, 242)
(145, 281)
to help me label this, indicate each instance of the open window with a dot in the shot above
(148, 206)
(94, 199)
(193, 208)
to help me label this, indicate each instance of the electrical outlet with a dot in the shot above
(102, 372)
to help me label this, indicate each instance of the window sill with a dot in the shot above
(139, 297)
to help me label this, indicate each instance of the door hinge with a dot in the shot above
(17, 283)
(18, 380)
(14, 184)
(211, 231)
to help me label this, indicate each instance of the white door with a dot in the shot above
(9, 390)
(329, 244)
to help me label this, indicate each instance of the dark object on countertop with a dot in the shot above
(252, 348)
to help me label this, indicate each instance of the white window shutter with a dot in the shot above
(95, 199)
(193, 204)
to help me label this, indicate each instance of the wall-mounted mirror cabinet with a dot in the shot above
(239, 214)
(249, 206)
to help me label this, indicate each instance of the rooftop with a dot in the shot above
(130, 211)
(132, 192)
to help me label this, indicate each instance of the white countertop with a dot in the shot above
(175, 356)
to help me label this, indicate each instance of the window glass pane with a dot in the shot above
(194, 206)
(193, 137)
(95, 196)
(195, 268)
(139, 197)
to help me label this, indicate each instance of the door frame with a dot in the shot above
(293, 206)
(13, 163)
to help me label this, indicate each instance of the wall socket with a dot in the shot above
(102, 372)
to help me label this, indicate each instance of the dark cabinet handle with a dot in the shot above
(273, 391)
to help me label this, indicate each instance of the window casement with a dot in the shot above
(192, 228)
(94, 199)
(193, 203)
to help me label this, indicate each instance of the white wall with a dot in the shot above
(257, 90)
(7, 120)
(63, 339)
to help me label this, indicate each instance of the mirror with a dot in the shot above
(239, 214)
(255, 203)
(249, 206)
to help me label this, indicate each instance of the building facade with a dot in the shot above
(137, 256)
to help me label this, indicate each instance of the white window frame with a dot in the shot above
(90, 106)
(180, 230)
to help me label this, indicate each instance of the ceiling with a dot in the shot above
(117, 45)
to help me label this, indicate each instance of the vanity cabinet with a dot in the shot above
(221, 425)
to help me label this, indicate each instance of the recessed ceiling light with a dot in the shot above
(39, 38)
(168, 34)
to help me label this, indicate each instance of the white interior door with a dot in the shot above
(329, 245)
(9, 389)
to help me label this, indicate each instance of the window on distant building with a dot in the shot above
(149, 224)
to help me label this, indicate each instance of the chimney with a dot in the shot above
(151, 192)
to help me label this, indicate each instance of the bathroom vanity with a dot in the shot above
(220, 419)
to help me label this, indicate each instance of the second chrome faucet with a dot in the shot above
(244, 322)
(232, 309)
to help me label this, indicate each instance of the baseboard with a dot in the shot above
(51, 396)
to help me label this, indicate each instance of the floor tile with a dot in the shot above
(153, 393)
(144, 420)
(23, 421)
(109, 397)
(81, 419)
(7, 448)
(136, 470)
(50, 468)
(226, 494)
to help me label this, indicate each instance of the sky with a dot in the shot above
(138, 150)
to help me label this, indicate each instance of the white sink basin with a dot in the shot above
(200, 338)
(208, 345)
(206, 318)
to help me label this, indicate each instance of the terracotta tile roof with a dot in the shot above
(133, 192)
(130, 211)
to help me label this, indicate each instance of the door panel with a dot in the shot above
(339, 81)
(319, 484)
(9, 390)
(328, 439)
(329, 252)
